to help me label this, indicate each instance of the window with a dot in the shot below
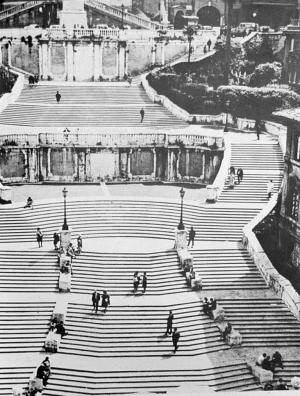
(292, 45)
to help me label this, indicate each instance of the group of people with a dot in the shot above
(33, 80)
(43, 373)
(174, 331)
(235, 177)
(137, 280)
(267, 363)
(207, 46)
(105, 301)
(209, 306)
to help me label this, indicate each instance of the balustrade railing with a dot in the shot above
(18, 140)
(19, 8)
(125, 16)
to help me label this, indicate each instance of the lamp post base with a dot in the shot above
(180, 226)
(65, 237)
(180, 239)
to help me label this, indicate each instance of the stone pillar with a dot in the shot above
(49, 59)
(169, 165)
(45, 72)
(153, 54)
(65, 238)
(75, 156)
(180, 239)
(32, 165)
(97, 60)
(129, 174)
(203, 164)
(26, 162)
(9, 54)
(70, 61)
(81, 166)
(1, 55)
(187, 162)
(126, 61)
(177, 165)
(43, 173)
(163, 53)
(121, 59)
(40, 62)
(49, 174)
(88, 164)
(154, 163)
(101, 59)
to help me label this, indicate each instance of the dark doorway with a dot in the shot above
(179, 21)
(209, 16)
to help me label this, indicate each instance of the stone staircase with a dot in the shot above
(23, 325)
(13, 377)
(127, 17)
(66, 381)
(19, 9)
(253, 188)
(23, 271)
(138, 331)
(96, 106)
(129, 218)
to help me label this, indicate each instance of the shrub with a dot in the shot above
(265, 73)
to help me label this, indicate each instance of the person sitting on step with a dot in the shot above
(266, 364)
(205, 306)
(277, 360)
(281, 385)
(260, 359)
(60, 329)
(226, 331)
(29, 203)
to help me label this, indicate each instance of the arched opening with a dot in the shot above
(209, 16)
(179, 21)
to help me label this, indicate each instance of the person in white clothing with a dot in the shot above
(270, 188)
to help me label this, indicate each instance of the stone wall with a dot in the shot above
(69, 163)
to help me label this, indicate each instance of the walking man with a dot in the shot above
(95, 300)
(136, 282)
(58, 96)
(240, 175)
(208, 44)
(39, 237)
(192, 235)
(270, 188)
(55, 240)
(79, 244)
(175, 339)
(169, 323)
(142, 113)
(144, 282)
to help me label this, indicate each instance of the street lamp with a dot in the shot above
(65, 225)
(227, 111)
(181, 225)
(122, 22)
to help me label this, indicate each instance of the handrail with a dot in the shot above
(127, 17)
(19, 8)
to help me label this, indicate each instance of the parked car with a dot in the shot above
(102, 26)
(32, 26)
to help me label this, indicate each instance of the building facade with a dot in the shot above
(292, 53)
(289, 231)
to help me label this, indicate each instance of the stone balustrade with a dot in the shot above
(263, 376)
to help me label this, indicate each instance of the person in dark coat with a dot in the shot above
(105, 301)
(280, 385)
(142, 113)
(144, 282)
(60, 329)
(95, 300)
(79, 244)
(209, 44)
(277, 360)
(266, 364)
(175, 339)
(29, 203)
(55, 240)
(192, 235)
(169, 323)
(136, 281)
(39, 237)
(58, 96)
(240, 175)
(205, 306)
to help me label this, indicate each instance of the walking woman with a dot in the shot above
(39, 237)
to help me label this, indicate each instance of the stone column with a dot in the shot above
(187, 162)
(49, 174)
(177, 165)
(1, 55)
(163, 53)
(70, 61)
(126, 61)
(26, 163)
(129, 174)
(101, 59)
(49, 59)
(9, 54)
(153, 54)
(121, 59)
(203, 164)
(97, 60)
(154, 163)
(45, 71)
(32, 164)
(43, 173)
(40, 62)
(88, 164)
(81, 166)
(76, 173)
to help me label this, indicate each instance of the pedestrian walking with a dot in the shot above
(209, 44)
(257, 128)
(55, 240)
(144, 282)
(105, 301)
(58, 96)
(169, 323)
(142, 113)
(270, 188)
(95, 300)
(136, 282)
(192, 235)
(39, 237)
(79, 244)
(175, 339)
(240, 175)
(205, 49)
(231, 181)
(29, 203)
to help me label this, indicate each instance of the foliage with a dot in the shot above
(259, 50)
(256, 103)
(7, 80)
(265, 73)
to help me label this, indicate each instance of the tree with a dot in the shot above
(265, 73)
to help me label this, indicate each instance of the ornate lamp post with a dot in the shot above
(122, 22)
(65, 225)
(227, 111)
(181, 225)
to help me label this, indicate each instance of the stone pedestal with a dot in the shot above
(262, 375)
(5, 194)
(73, 14)
(64, 282)
(65, 238)
(180, 239)
(52, 342)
